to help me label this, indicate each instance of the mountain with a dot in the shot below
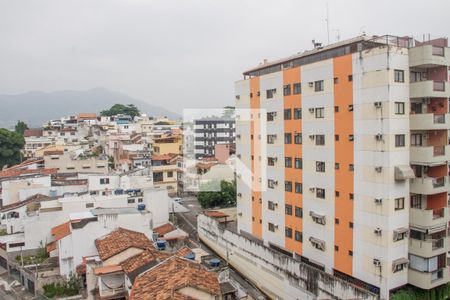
(34, 108)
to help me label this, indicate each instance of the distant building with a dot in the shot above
(210, 132)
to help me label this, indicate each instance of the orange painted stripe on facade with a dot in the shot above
(255, 131)
(293, 150)
(344, 156)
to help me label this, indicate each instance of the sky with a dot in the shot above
(182, 53)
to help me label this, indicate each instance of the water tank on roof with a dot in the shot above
(214, 262)
(53, 193)
(190, 256)
(161, 244)
(141, 207)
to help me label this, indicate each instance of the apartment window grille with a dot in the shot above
(320, 139)
(297, 113)
(399, 203)
(320, 112)
(270, 161)
(298, 212)
(298, 138)
(318, 86)
(287, 114)
(320, 166)
(288, 232)
(288, 162)
(298, 188)
(416, 139)
(288, 138)
(399, 108)
(298, 163)
(399, 76)
(271, 227)
(320, 193)
(270, 138)
(288, 186)
(270, 205)
(416, 201)
(288, 209)
(270, 93)
(287, 90)
(399, 140)
(297, 88)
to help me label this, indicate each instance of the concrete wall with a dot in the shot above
(279, 276)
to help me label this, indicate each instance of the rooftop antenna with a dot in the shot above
(338, 34)
(328, 25)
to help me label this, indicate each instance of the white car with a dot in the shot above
(178, 200)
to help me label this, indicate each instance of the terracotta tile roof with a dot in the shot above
(32, 132)
(61, 231)
(51, 246)
(87, 116)
(107, 270)
(15, 173)
(182, 252)
(146, 257)
(163, 229)
(34, 198)
(215, 214)
(53, 152)
(120, 240)
(161, 157)
(165, 280)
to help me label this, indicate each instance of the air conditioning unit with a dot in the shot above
(239, 195)
(376, 262)
(379, 137)
(274, 113)
(311, 84)
(378, 200)
(240, 214)
(377, 231)
(312, 189)
(275, 182)
(312, 136)
(311, 110)
(377, 104)
(275, 159)
(275, 226)
(258, 93)
(238, 136)
(239, 156)
(238, 97)
(378, 169)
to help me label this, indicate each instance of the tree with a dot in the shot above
(10, 145)
(120, 109)
(225, 197)
(21, 127)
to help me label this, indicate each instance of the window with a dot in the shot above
(271, 138)
(399, 76)
(416, 201)
(350, 107)
(297, 88)
(351, 196)
(336, 221)
(270, 161)
(271, 227)
(351, 167)
(298, 163)
(336, 166)
(320, 193)
(320, 112)
(298, 188)
(336, 137)
(271, 116)
(271, 205)
(336, 194)
(350, 77)
(131, 200)
(318, 86)
(399, 203)
(336, 109)
(320, 166)
(104, 180)
(298, 138)
(350, 252)
(299, 236)
(287, 114)
(89, 205)
(140, 200)
(288, 138)
(320, 139)
(288, 232)
(288, 186)
(298, 212)
(287, 90)
(336, 248)
(399, 140)
(351, 137)
(297, 113)
(288, 162)
(336, 80)
(399, 108)
(416, 139)
(398, 268)
(350, 224)
(170, 174)
(270, 93)
(288, 209)
(271, 183)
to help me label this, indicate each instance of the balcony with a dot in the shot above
(426, 281)
(428, 248)
(429, 121)
(428, 217)
(429, 155)
(429, 185)
(429, 56)
(429, 89)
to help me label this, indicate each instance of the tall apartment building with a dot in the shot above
(211, 131)
(345, 153)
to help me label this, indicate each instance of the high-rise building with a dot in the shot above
(212, 131)
(344, 155)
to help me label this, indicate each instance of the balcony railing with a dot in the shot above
(439, 86)
(439, 150)
(439, 119)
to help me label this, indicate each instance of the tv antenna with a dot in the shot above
(328, 25)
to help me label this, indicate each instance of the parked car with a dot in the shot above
(178, 200)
